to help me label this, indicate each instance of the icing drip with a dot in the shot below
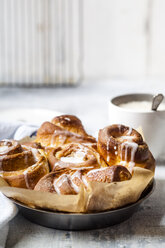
(66, 118)
(119, 127)
(25, 173)
(61, 134)
(134, 147)
(56, 164)
(52, 141)
(34, 152)
(70, 179)
(67, 178)
(85, 181)
(77, 174)
(127, 136)
(108, 148)
(78, 157)
(108, 158)
(62, 139)
(108, 145)
(129, 131)
(123, 163)
(59, 181)
(65, 134)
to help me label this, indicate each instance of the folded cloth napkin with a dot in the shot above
(16, 130)
(8, 210)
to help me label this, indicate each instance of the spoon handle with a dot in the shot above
(157, 99)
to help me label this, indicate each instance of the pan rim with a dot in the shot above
(141, 199)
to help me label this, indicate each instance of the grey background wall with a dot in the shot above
(56, 41)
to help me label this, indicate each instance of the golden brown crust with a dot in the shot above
(63, 130)
(70, 123)
(9, 147)
(33, 145)
(45, 184)
(60, 183)
(73, 156)
(17, 161)
(118, 143)
(54, 182)
(148, 164)
(69, 182)
(116, 173)
(21, 166)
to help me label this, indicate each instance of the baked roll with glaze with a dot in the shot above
(75, 156)
(21, 166)
(61, 182)
(62, 130)
(69, 183)
(116, 173)
(119, 144)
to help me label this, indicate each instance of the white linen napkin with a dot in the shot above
(8, 210)
(16, 130)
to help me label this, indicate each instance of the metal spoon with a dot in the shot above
(156, 100)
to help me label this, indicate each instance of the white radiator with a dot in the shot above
(40, 42)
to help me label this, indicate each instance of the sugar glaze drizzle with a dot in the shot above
(69, 179)
(126, 146)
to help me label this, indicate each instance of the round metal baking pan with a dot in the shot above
(76, 221)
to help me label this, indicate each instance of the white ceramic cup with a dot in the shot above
(152, 123)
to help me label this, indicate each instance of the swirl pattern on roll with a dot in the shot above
(69, 182)
(75, 156)
(119, 144)
(21, 166)
(64, 158)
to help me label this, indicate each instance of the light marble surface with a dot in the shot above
(89, 101)
(50, 40)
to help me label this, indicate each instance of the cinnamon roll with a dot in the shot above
(119, 144)
(62, 130)
(20, 165)
(66, 182)
(75, 156)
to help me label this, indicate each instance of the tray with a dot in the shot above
(76, 221)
